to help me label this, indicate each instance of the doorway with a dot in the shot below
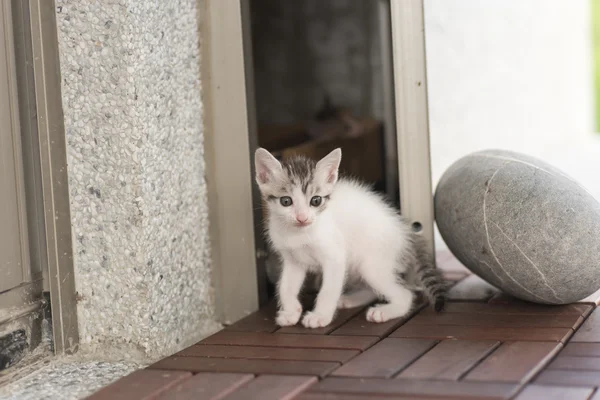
(231, 137)
(323, 78)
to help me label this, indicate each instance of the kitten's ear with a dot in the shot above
(329, 165)
(266, 166)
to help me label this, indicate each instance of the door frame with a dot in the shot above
(228, 128)
(230, 135)
(45, 161)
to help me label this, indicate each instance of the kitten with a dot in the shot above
(347, 233)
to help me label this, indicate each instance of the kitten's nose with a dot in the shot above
(302, 218)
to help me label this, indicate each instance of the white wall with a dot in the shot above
(513, 74)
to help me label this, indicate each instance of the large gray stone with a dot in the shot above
(522, 225)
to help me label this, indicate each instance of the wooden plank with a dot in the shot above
(514, 362)
(268, 353)
(450, 359)
(563, 377)
(575, 363)
(262, 320)
(499, 320)
(143, 384)
(589, 330)
(472, 288)
(386, 358)
(206, 386)
(505, 299)
(405, 387)
(271, 387)
(482, 333)
(515, 308)
(291, 340)
(276, 367)
(581, 350)
(345, 396)
(359, 326)
(340, 318)
(539, 392)
(369, 396)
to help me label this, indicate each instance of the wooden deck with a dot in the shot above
(487, 346)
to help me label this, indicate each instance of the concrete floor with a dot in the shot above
(66, 379)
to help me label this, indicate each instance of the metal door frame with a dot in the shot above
(38, 81)
(25, 296)
(412, 116)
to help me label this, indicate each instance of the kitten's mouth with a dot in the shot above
(302, 224)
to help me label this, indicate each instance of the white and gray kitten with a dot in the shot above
(345, 232)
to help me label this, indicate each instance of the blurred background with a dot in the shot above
(519, 75)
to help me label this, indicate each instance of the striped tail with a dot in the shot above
(431, 278)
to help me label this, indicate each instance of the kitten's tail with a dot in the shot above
(431, 278)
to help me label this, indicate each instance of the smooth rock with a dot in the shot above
(522, 225)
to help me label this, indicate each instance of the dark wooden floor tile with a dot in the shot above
(340, 318)
(562, 377)
(262, 320)
(472, 288)
(290, 340)
(206, 386)
(540, 392)
(575, 363)
(499, 320)
(143, 385)
(517, 307)
(272, 387)
(449, 360)
(409, 330)
(334, 396)
(268, 353)
(581, 350)
(386, 358)
(277, 367)
(307, 395)
(503, 298)
(508, 300)
(514, 362)
(589, 331)
(359, 326)
(416, 388)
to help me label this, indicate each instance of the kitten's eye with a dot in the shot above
(316, 201)
(285, 201)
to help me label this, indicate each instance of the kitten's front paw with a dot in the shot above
(316, 320)
(375, 314)
(288, 318)
(385, 312)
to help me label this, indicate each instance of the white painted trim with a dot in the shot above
(227, 153)
(412, 120)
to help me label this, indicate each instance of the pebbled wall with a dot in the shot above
(131, 92)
